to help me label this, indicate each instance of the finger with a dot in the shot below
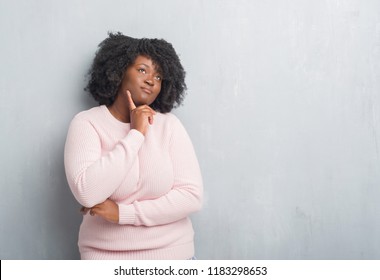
(132, 105)
(84, 210)
(97, 211)
(92, 212)
(147, 108)
(148, 114)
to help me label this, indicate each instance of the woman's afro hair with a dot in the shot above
(118, 51)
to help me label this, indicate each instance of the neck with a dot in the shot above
(119, 111)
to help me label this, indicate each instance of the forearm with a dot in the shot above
(93, 177)
(99, 180)
(175, 205)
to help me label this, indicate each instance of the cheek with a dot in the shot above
(125, 83)
(158, 88)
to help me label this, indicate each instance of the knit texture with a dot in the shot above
(155, 180)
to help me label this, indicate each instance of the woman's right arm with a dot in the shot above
(94, 177)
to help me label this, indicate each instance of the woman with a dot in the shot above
(129, 162)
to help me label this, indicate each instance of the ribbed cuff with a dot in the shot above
(135, 139)
(126, 214)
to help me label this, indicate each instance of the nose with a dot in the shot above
(149, 81)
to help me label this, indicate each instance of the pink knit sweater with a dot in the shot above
(155, 180)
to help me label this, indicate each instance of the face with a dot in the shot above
(143, 80)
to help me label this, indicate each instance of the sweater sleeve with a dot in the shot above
(185, 196)
(93, 177)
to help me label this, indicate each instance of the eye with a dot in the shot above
(158, 78)
(141, 70)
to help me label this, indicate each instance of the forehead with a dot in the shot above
(147, 61)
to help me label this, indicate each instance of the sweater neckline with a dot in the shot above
(112, 119)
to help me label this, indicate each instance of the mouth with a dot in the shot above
(146, 90)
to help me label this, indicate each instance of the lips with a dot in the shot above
(146, 90)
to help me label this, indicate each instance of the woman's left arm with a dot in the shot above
(184, 198)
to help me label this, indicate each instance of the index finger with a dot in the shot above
(132, 105)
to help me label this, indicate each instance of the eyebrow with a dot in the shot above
(155, 68)
(144, 64)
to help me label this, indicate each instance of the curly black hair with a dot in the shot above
(118, 51)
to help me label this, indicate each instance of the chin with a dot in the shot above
(143, 102)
